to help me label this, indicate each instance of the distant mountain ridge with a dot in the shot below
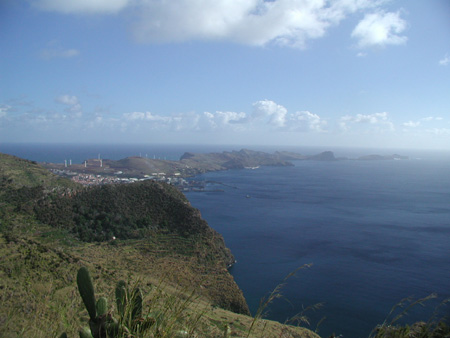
(192, 164)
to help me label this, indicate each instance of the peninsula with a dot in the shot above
(133, 169)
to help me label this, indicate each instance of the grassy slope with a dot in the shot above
(38, 295)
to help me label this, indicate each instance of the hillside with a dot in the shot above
(49, 227)
(190, 164)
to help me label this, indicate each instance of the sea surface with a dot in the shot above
(375, 232)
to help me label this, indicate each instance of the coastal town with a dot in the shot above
(92, 179)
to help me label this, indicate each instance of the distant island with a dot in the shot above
(132, 169)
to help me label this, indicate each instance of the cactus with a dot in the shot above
(101, 323)
(121, 297)
(85, 333)
(86, 289)
(102, 306)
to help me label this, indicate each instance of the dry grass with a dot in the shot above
(39, 297)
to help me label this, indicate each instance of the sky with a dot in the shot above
(350, 73)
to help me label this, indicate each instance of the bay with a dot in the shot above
(375, 231)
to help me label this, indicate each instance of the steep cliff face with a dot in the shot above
(153, 216)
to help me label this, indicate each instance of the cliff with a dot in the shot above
(152, 216)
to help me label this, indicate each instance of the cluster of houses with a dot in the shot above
(95, 179)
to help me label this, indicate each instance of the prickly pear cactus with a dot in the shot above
(121, 297)
(101, 323)
(86, 289)
(102, 306)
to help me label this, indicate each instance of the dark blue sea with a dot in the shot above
(375, 231)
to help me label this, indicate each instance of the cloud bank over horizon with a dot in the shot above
(267, 121)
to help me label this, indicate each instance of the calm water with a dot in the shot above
(376, 232)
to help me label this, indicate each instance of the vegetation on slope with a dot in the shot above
(153, 217)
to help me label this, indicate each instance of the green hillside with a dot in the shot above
(50, 227)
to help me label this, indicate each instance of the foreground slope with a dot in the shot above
(49, 227)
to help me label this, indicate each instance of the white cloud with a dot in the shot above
(305, 120)
(431, 118)
(380, 29)
(371, 122)
(266, 116)
(445, 61)
(72, 103)
(253, 22)
(4, 109)
(268, 112)
(223, 120)
(82, 6)
(67, 99)
(411, 124)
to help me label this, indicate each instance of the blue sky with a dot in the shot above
(363, 73)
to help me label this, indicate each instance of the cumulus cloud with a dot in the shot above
(306, 121)
(380, 29)
(253, 22)
(266, 115)
(73, 106)
(151, 121)
(222, 121)
(82, 6)
(371, 122)
(269, 113)
(445, 61)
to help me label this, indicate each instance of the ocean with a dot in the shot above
(375, 232)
